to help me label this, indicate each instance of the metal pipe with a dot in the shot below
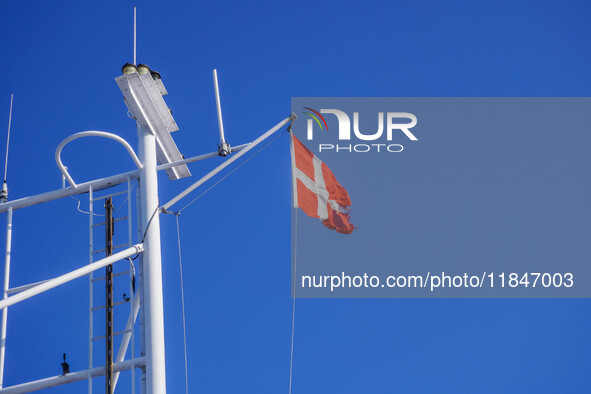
(71, 377)
(125, 339)
(134, 37)
(97, 184)
(60, 280)
(90, 282)
(228, 162)
(152, 265)
(132, 293)
(18, 289)
(5, 292)
(140, 273)
(200, 157)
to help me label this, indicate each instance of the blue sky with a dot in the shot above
(60, 60)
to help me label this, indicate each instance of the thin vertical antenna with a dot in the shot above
(218, 105)
(8, 137)
(134, 35)
(224, 147)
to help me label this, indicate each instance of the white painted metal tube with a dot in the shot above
(98, 184)
(18, 289)
(5, 292)
(200, 157)
(60, 280)
(91, 133)
(228, 162)
(218, 106)
(152, 264)
(140, 275)
(90, 283)
(132, 292)
(127, 336)
(71, 377)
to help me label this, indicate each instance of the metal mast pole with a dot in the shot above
(152, 266)
(3, 199)
(5, 293)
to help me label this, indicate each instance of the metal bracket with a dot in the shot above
(224, 149)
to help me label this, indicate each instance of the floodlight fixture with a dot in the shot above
(143, 97)
(143, 69)
(129, 68)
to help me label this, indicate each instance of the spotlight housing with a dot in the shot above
(128, 68)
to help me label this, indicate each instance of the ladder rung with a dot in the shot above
(115, 333)
(114, 276)
(127, 245)
(109, 195)
(96, 308)
(103, 223)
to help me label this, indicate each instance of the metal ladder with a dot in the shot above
(100, 279)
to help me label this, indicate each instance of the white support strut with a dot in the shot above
(97, 184)
(71, 377)
(18, 289)
(226, 163)
(60, 280)
(5, 293)
(152, 267)
(127, 336)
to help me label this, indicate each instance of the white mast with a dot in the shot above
(142, 89)
(152, 267)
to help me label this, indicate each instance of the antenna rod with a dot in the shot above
(4, 192)
(8, 137)
(218, 105)
(224, 147)
(134, 35)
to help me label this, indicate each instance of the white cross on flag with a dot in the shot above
(316, 190)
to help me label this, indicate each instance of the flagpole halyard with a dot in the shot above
(295, 264)
(294, 191)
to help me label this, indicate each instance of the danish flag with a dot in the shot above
(317, 191)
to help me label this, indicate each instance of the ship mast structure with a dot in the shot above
(143, 93)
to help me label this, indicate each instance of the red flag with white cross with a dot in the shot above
(316, 190)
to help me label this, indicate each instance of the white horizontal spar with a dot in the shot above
(226, 163)
(60, 280)
(71, 377)
(99, 184)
